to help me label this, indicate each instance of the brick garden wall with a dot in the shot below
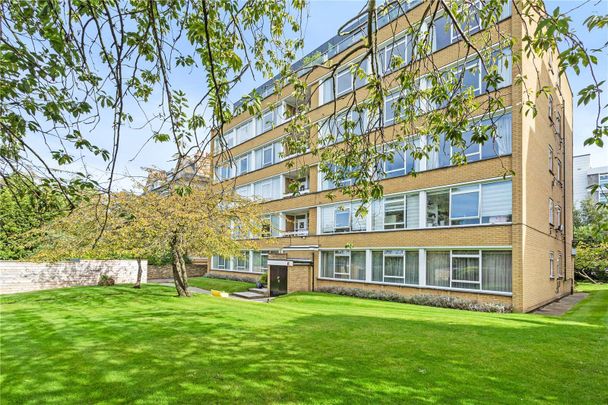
(25, 276)
(166, 271)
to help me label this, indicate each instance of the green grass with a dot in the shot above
(229, 286)
(121, 345)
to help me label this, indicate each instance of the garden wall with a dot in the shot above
(166, 271)
(25, 276)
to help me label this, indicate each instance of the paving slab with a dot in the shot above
(248, 295)
(562, 306)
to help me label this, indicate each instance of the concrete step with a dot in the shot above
(249, 295)
(260, 291)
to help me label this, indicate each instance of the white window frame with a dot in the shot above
(469, 191)
(560, 272)
(342, 253)
(351, 84)
(550, 107)
(404, 212)
(551, 265)
(264, 149)
(342, 209)
(550, 159)
(478, 256)
(551, 213)
(558, 215)
(388, 54)
(455, 35)
(393, 253)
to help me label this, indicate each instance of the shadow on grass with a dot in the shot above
(121, 346)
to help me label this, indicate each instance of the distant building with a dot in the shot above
(195, 171)
(585, 176)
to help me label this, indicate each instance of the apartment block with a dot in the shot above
(586, 176)
(497, 229)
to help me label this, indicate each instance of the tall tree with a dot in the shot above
(63, 65)
(184, 222)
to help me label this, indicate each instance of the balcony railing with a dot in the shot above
(299, 232)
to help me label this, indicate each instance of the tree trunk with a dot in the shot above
(179, 266)
(139, 271)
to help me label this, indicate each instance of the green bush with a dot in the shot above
(229, 277)
(105, 281)
(440, 301)
(591, 262)
(264, 278)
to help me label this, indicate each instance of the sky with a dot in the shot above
(322, 20)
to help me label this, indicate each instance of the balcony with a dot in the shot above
(295, 223)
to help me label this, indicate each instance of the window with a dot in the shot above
(266, 121)
(551, 206)
(268, 188)
(558, 216)
(602, 190)
(396, 166)
(558, 124)
(438, 268)
(395, 266)
(343, 264)
(397, 50)
(470, 76)
(558, 175)
(438, 208)
(471, 23)
(550, 107)
(241, 263)
(243, 165)
(268, 155)
(260, 261)
(550, 158)
(341, 218)
(244, 191)
(327, 91)
(496, 202)
(551, 269)
(496, 272)
(465, 205)
(560, 273)
(394, 212)
(465, 269)
(344, 82)
(327, 184)
(390, 104)
(244, 132)
(477, 270)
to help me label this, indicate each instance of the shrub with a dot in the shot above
(105, 280)
(264, 278)
(591, 262)
(440, 301)
(229, 277)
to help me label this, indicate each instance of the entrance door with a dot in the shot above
(278, 280)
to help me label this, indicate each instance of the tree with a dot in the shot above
(591, 241)
(194, 222)
(63, 63)
(24, 207)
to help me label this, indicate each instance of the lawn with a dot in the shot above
(229, 286)
(121, 345)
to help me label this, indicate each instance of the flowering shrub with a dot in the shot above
(440, 301)
(105, 280)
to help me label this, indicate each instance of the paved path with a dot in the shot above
(167, 282)
(562, 306)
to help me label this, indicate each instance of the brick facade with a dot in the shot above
(529, 236)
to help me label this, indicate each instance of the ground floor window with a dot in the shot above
(395, 266)
(469, 269)
(343, 264)
(250, 261)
